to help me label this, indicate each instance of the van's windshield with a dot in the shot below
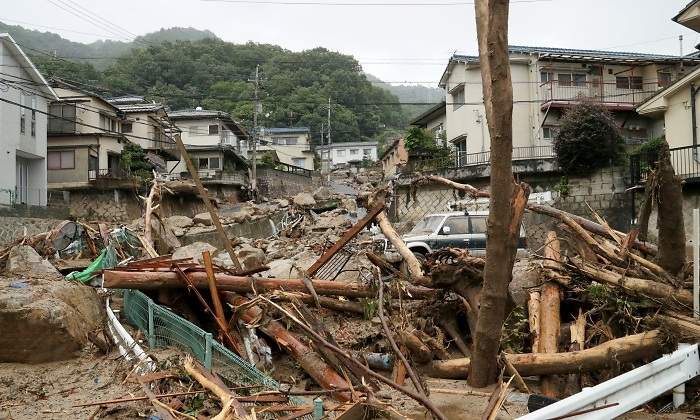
(428, 225)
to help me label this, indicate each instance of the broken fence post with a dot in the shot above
(207, 350)
(151, 326)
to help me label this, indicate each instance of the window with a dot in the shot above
(298, 162)
(629, 82)
(325, 154)
(354, 151)
(367, 152)
(340, 152)
(289, 141)
(459, 225)
(22, 114)
(127, 128)
(213, 163)
(664, 78)
(61, 160)
(548, 133)
(458, 98)
(546, 76)
(112, 125)
(478, 224)
(33, 125)
(62, 118)
(213, 129)
(571, 79)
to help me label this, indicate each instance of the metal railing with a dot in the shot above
(458, 160)
(220, 175)
(117, 173)
(685, 161)
(604, 92)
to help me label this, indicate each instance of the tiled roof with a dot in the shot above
(197, 113)
(126, 100)
(287, 130)
(139, 107)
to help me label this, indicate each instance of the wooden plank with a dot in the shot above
(211, 278)
(207, 202)
(347, 237)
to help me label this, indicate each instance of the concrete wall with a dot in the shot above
(78, 174)
(362, 150)
(278, 184)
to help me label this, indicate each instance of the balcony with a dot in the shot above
(609, 94)
(685, 161)
(460, 160)
(113, 174)
(222, 177)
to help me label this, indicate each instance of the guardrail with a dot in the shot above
(458, 160)
(604, 92)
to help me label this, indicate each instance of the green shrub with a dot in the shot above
(133, 160)
(588, 139)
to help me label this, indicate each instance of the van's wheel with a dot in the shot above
(422, 260)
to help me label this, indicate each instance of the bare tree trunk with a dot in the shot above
(670, 216)
(647, 206)
(550, 321)
(508, 200)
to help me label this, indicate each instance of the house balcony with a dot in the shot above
(685, 161)
(556, 94)
(108, 174)
(218, 176)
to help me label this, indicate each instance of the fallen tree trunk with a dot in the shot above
(214, 384)
(620, 350)
(669, 207)
(684, 328)
(549, 311)
(155, 280)
(326, 302)
(308, 359)
(648, 287)
(412, 264)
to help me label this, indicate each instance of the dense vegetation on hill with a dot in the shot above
(205, 71)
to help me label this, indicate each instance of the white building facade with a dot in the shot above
(348, 153)
(23, 129)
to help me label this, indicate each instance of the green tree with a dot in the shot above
(133, 160)
(588, 139)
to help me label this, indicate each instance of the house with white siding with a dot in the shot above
(24, 99)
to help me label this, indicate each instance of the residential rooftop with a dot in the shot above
(288, 130)
(139, 107)
(431, 113)
(192, 114)
(126, 100)
(347, 144)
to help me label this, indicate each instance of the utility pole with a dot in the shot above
(329, 120)
(254, 148)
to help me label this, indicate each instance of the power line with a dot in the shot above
(60, 29)
(363, 4)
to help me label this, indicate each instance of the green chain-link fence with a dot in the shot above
(165, 329)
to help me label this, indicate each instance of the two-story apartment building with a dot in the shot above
(546, 82)
(148, 125)
(84, 139)
(434, 120)
(292, 145)
(353, 152)
(213, 140)
(23, 121)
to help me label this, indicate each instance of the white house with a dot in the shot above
(23, 133)
(349, 152)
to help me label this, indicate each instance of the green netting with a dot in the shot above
(106, 259)
(170, 330)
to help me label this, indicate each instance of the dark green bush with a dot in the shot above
(588, 139)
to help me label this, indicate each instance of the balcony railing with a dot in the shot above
(458, 160)
(685, 161)
(602, 92)
(118, 173)
(235, 177)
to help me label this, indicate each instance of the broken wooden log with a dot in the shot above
(620, 350)
(412, 264)
(650, 288)
(419, 351)
(155, 280)
(214, 384)
(326, 302)
(549, 311)
(683, 327)
(308, 359)
(533, 319)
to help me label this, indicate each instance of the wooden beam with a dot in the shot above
(207, 203)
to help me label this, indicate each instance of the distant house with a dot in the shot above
(394, 156)
(84, 140)
(291, 144)
(348, 153)
(433, 120)
(547, 82)
(148, 125)
(213, 140)
(23, 121)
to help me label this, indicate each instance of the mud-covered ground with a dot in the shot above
(51, 390)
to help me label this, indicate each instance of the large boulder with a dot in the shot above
(203, 219)
(284, 268)
(45, 320)
(194, 251)
(304, 200)
(181, 222)
(323, 194)
(24, 261)
(251, 257)
(526, 277)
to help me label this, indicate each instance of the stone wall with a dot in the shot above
(256, 229)
(12, 228)
(603, 191)
(116, 205)
(278, 184)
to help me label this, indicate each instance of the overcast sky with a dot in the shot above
(396, 43)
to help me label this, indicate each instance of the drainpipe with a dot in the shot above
(693, 117)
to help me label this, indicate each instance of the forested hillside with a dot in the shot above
(208, 72)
